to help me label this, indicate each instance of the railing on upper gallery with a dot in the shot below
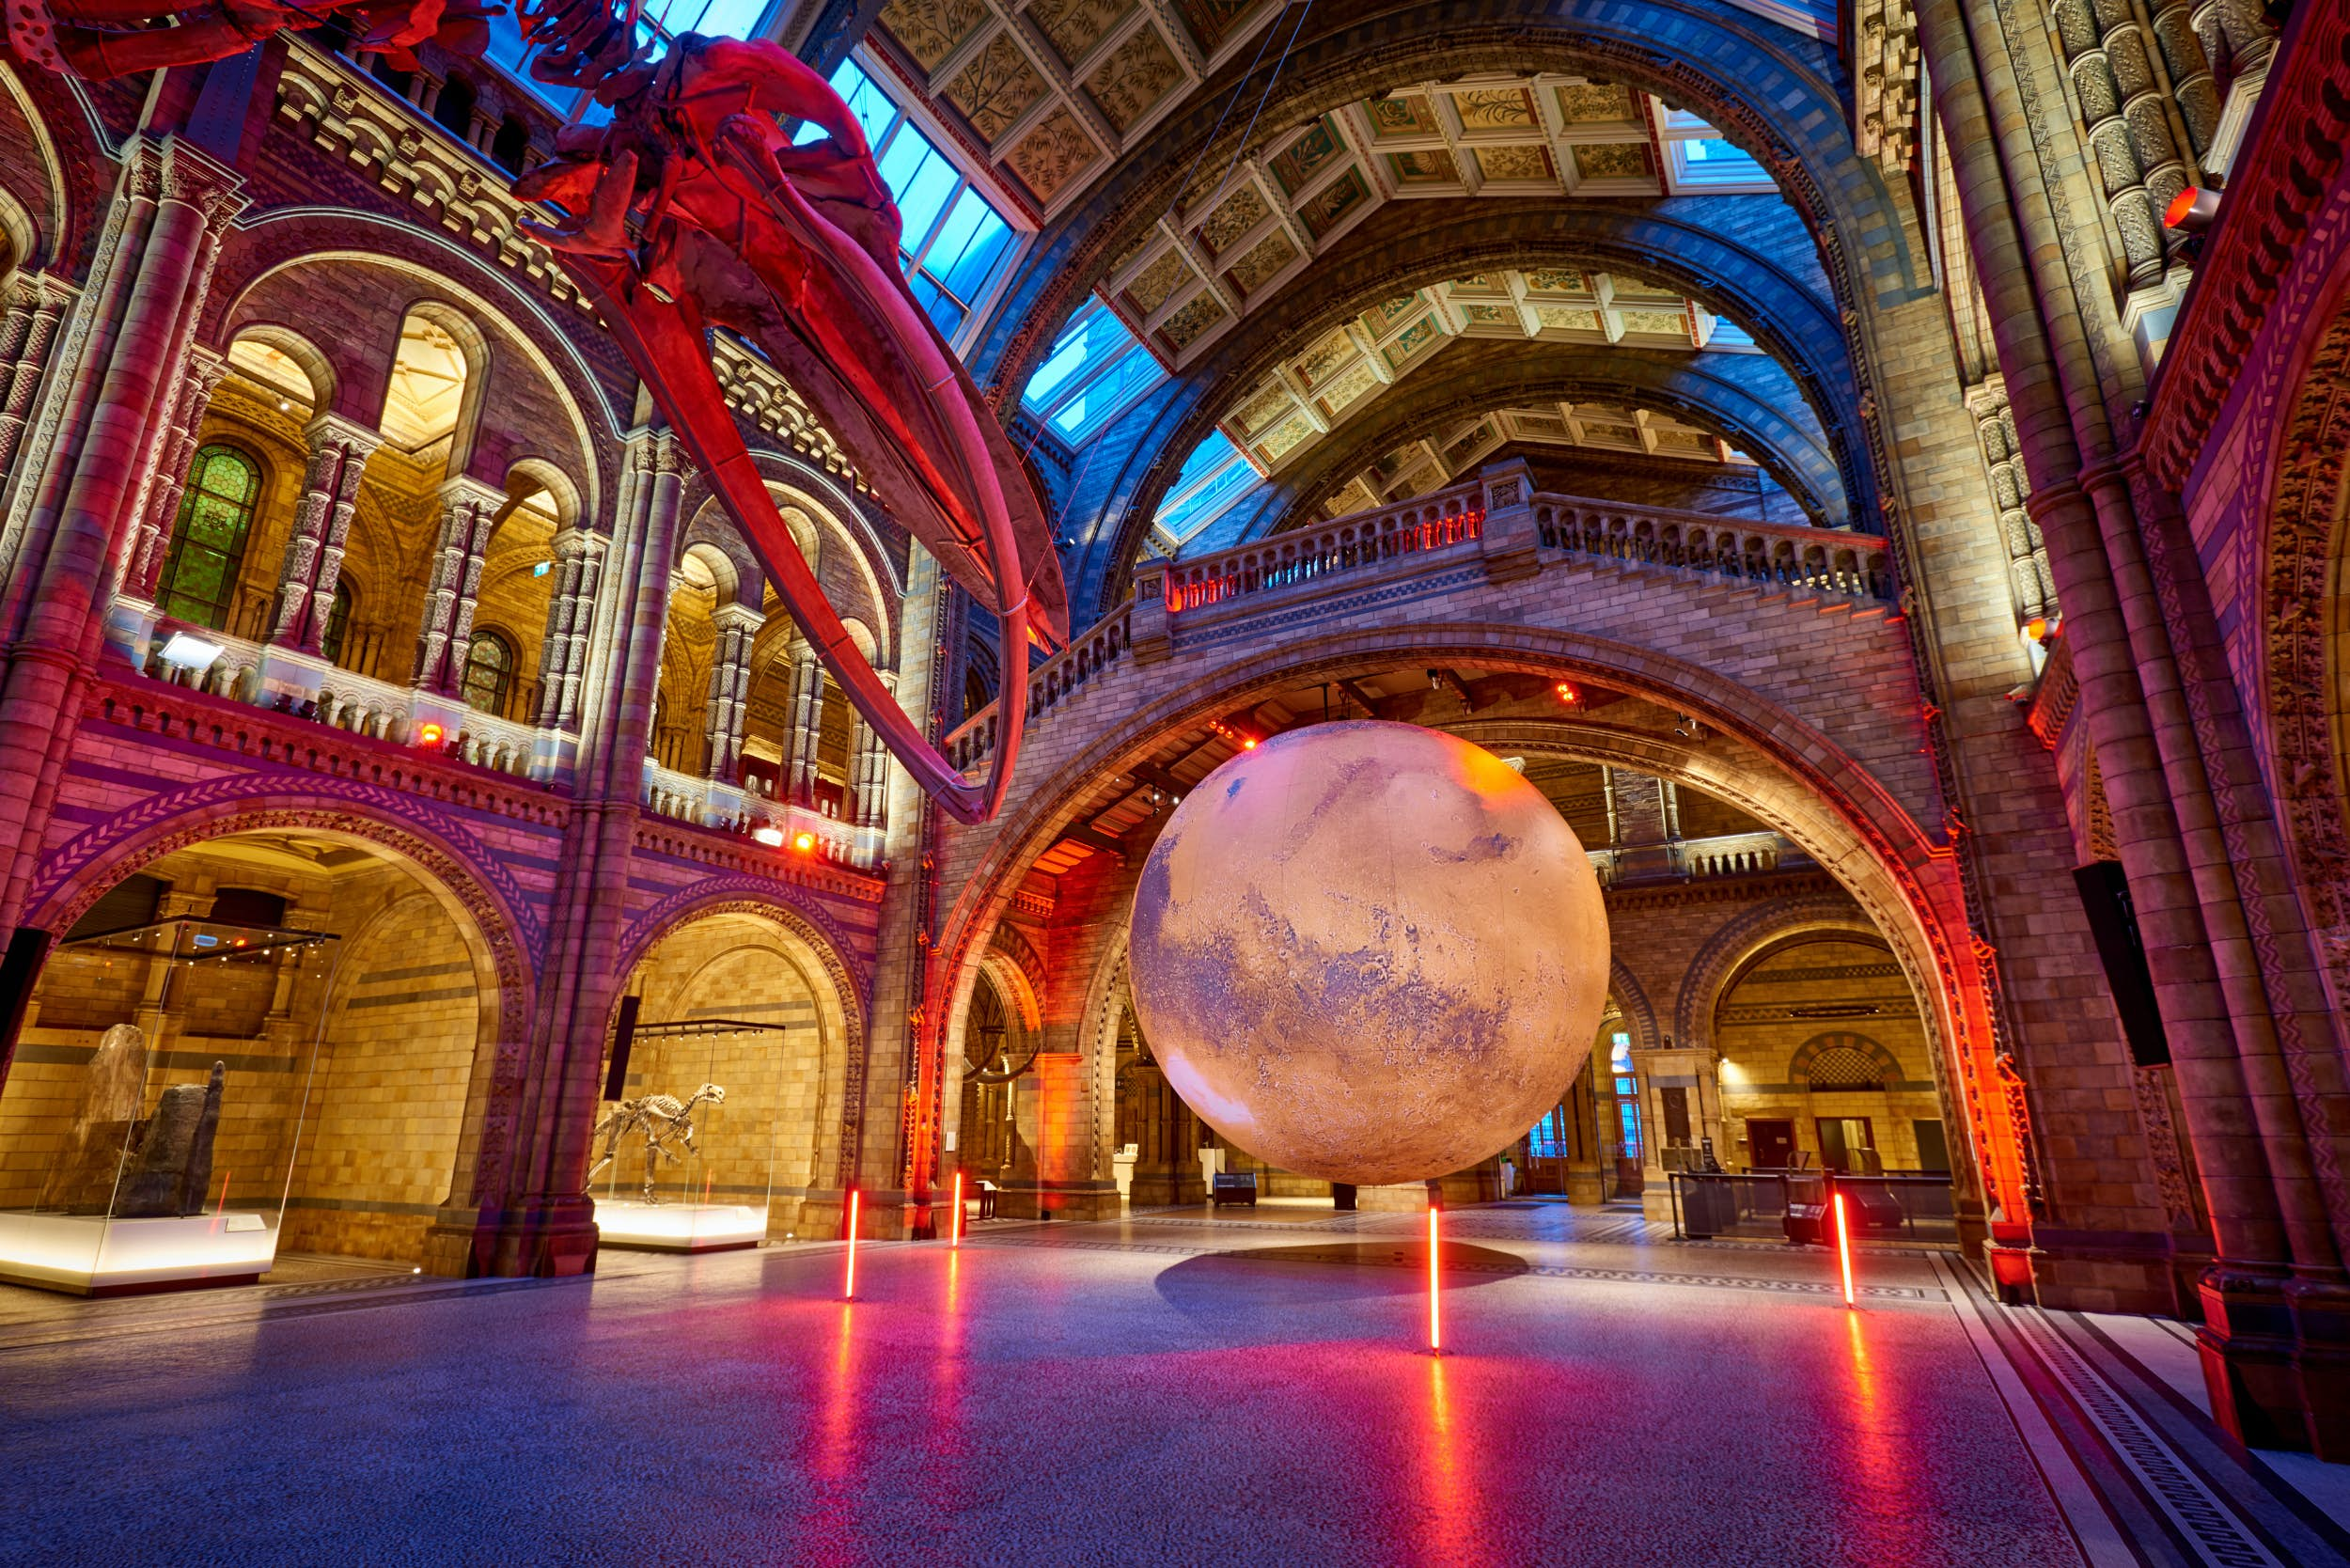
(1788, 556)
(1793, 558)
(357, 703)
(708, 803)
(1693, 859)
(1437, 521)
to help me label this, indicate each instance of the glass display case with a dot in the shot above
(684, 1153)
(152, 1115)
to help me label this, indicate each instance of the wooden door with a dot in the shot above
(1770, 1145)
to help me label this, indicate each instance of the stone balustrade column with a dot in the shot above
(469, 509)
(806, 729)
(159, 512)
(35, 304)
(869, 779)
(570, 617)
(330, 493)
(2111, 137)
(729, 688)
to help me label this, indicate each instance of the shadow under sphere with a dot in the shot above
(1369, 952)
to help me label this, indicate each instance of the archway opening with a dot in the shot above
(721, 1117)
(259, 1055)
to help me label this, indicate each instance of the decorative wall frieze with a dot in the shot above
(1883, 50)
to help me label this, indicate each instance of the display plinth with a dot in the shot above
(679, 1227)
(92, 1255)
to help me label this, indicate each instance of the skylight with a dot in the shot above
(1095, 370)
(1213, 476)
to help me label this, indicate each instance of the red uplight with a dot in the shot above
(1568, 694)
(1436, 1282)
(804, 842)
(2036, 628)
(1248, 742)
(430, 733)
(1843, 1245)
(954, 1227)
(848, 1284)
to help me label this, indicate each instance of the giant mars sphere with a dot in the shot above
(1369, 952)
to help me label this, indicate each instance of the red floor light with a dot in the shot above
(954, 1224)
(848, 1283)
(1843, 1245)
(1436, 1319)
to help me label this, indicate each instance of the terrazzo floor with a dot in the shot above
(1174, 1389)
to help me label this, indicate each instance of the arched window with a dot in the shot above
(199, 574)
(453, 109)
(338, 620)
(489, 672)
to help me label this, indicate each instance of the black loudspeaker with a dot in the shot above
(623, 1036)
(20, 971)
(2105, 896)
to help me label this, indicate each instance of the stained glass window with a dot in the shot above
(199, 576)
(489, 672)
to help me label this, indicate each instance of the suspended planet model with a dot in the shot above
(1369, 952)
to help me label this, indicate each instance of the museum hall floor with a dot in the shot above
(1172, 1389)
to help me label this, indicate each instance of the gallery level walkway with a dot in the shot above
(1135, 1392)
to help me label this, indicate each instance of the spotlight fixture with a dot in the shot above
(1687, 728)
(804, 844)
(2037, 628)
(2192, 211)
(182, 651)
(430, 733)
(1568, 694)
(771, 836)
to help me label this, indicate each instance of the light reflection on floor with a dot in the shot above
(1044, 1395)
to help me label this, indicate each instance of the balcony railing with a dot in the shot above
(1691, 859)
(1434, 522)
(1786, 556)
(708, 803)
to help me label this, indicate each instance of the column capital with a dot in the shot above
(728, 618)
(579, 539)
(192, 176)
(463, 489)
(333, 430)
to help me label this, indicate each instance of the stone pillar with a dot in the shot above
(570, 617)
(1166, 1163)
(469, 511)
(805, 729)
(159, 512)
(869, 777)
(36, 304)
(156, 255)
(729, 688)
(2258, 1078)
(518, 1208)
(314, 547)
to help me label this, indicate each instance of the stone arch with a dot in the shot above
(1820, 797)
(456, 869)
(1889, 1069)
(474, 345)
(1741, 941)
(737, 579)
(287, 240)
(2305, 643)
(325, 384)
(526, 475)
(848, 979)
(41, 225)
(1639, 1015)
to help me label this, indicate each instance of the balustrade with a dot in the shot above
(1434, 522)
(1817, 560)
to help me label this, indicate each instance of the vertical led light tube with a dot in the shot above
(954, 1225)
(848, 1284)
(1436, 1320)
(1844, 1245)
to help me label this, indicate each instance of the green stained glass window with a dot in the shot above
(199, 576)
(489, 672)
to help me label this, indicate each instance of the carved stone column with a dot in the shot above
(36, 304)
(314, 549)
(807, 727)
(570, 617)
(469, 509)
(2010, 488)
(869, 779)
(730, 687)
(2110, 92)
(159, 512)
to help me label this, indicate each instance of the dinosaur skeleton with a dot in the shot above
(660, 1118)
(692, 208)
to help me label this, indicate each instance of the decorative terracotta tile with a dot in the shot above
(1074, 26)
(1051, 155)
(1352, 384)
(1212, 21)
(1494, 108)
(996, 89)
(1285, 439)
(1407, 114)
(1614, 161)
(1158, 282)
(1557, 318)
(1515, 163)
(1253, 271)
(931, 29)
(1557, 280)
(1329, 206)
(1432, 167)
(1241, 212)
(1318, 363)
(1295, 166)
(1182, 329)
(1138, 73)
(1595, 104)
